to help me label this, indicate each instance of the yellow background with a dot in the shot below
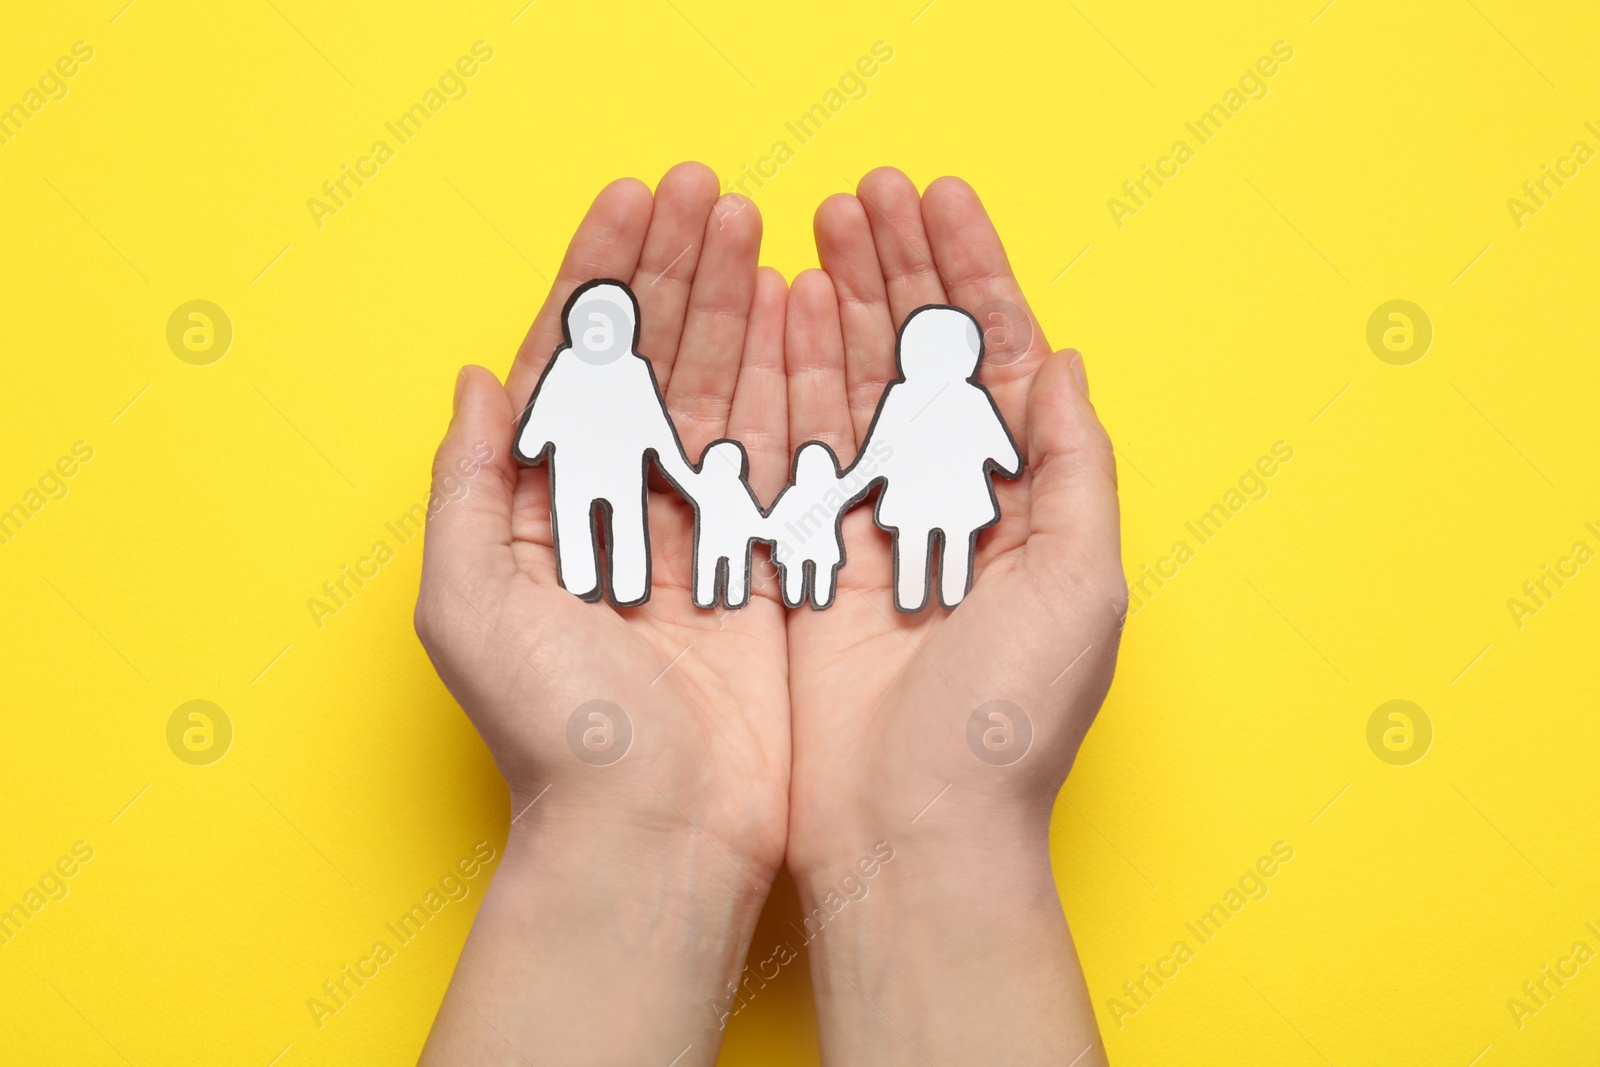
(1226, 315)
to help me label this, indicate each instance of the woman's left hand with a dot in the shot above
(946, 734)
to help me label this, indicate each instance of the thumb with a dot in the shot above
(1073, 498)
(474, 475)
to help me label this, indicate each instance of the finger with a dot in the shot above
(846, 251)
(759, 419)
(1073, 494)
(978, 277)
(606, 245)
(707, 368)
(895, 211)
(813, 353)
(667, 263)
(474, 477)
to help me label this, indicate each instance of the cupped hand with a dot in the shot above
(946, 734)
(881, 700)
(704, 695)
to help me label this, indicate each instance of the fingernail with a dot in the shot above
(461, 385)
(1081, 375)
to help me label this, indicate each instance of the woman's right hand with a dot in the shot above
(636, 866)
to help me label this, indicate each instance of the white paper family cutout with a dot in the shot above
(934, 442)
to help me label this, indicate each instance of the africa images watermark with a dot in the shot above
(52, 486)
(1539, 991)
(51, 886)
(454, 886)
(339, 190)
(1537, 192)
(1252, 485)
(852, 85)
(341, 589)
(51, 87)
(1252, 885)
(1252, 85)
(853, 887)
(1539, 591)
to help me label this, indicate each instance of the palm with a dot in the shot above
(700, 672)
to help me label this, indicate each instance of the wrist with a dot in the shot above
(955, 831)
(965, 948)
(933, 875)
(599, 943)
(628, 866)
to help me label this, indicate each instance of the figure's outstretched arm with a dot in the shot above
(536, 432)
(673, 463)
(662, 439)
(1003, 450)
(534, 440)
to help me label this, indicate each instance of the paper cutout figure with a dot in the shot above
(727, 523)
(804, 526)
(931, 450)
(945, 436)
(599, 414)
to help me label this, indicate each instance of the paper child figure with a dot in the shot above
(598, 413)
(727, 523)
(804, 525)
(944, 436)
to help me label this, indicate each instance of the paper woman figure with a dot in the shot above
(944, 436)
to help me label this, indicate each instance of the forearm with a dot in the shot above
(959, 953)
(595, 949)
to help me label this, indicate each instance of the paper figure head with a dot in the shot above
(726, 458)
(939, 343)
(602, 322)
(814, 463)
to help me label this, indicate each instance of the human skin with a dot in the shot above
(625, 901)
(627, 894)
(960, 953)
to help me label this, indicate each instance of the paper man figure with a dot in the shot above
(598, 412)
(804, 526)
(727, 523)
(944, 437)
